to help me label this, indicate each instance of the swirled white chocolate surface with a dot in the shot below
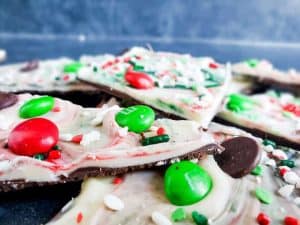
(231, 201)
(102, 142)
(263, 70)
(188, 87)
(44, 75)
(273, 112)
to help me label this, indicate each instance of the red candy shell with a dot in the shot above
(33, 136)
(139, 80)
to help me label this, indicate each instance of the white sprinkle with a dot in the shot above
(160, 163)
(291, 177)
(258, 179)
(194, 160)
(269, 148)
(2, 55)
(279, 154)
(90, 137)
(65, 137)
(113, 202)
(297, 201)
(4, 165)
(174, 160)
(286, 190)
(271, 163)
(298, 184)
(67, 206)
(123, 131)
(160, 219)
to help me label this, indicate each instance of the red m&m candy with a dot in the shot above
(139, 80)
(33, 136)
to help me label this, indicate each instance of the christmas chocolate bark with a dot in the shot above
(180, 85)
(264, 72)
(44, 76)
(271, 114)
(48, 140)
(187, 193)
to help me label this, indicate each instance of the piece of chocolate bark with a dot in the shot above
(140, 197)
(180, 85)
(45, 140)
(56, 77)
(273, 114)
(264, 72)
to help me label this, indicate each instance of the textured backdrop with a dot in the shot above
(188, 20)
(229, 30)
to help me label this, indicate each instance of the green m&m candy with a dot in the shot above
(239, 102)
(36, 107)
(138, 118)
(72, 67)
(186, 183)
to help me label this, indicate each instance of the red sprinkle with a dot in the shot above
(79, 217)
(127, 59)
(66, 77)
(263, 219)
(54, 154)
(289, 220)
(213, 66)
(282, 171)
(56, 109)
(138, 57)
(77, 138)
(117, 180)
(160, 131)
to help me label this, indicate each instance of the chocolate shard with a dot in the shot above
(7, 99)
(240, 156)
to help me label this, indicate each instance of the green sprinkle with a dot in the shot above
(199, 219)
(178, 215)
(170, 106)
(263, 195)
(238, 103)
(39, 156)
(72, 67)
(56, 147)
(95, 69)
(252, 62)
(156, 139)
(267, 142)
(178, 86)
(257, 171)
(287, 114)
(288, 163)
(210, 84)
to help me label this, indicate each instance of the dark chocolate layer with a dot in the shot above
(80, 174)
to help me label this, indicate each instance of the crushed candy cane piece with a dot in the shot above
(160, 219)
(113, 202)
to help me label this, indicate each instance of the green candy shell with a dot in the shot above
(138, 118)
(72, 67)
(186, 183)
(36, 107)
(238, 103)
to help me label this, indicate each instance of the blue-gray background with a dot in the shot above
(226, 29)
